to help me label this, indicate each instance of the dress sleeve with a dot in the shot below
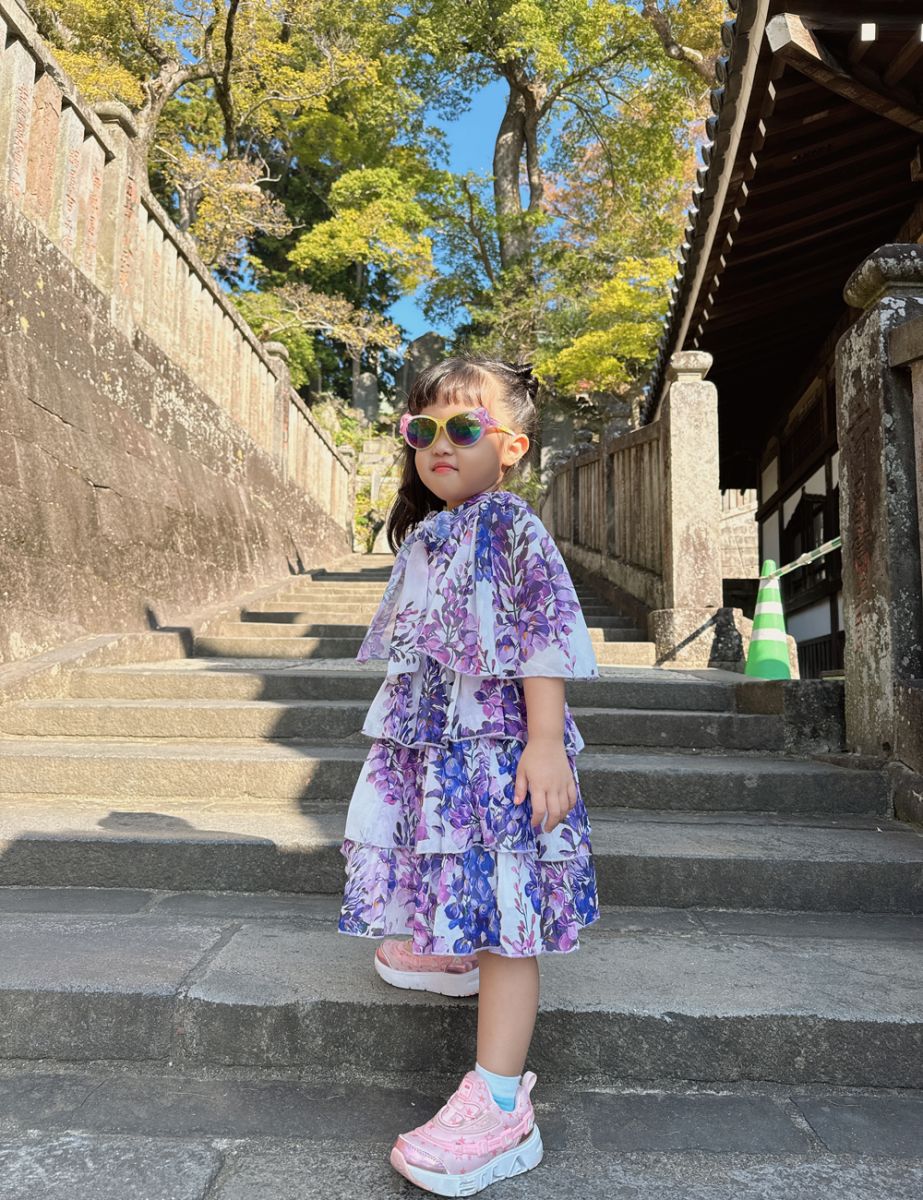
(399, 604)
(538, 625)
(490, 596)
(505, 605)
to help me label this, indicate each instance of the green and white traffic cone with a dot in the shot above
(767, 656)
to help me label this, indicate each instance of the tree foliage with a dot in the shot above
(292, 140)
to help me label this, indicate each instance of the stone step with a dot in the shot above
(326, 613)
(340, 591)
(356, 585)
(258, 982)
(268, 625)
(255, 646)
(293, 611)
(625, 652)
(204, 678)
(350, 598)
(380, 573)
(316, 773)
(270, 628)
(644, 859)
(116, 1130)
(364, 588)
(338, 721)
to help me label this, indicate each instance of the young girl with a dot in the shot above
(466, 828)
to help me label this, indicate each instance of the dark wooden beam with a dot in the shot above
(808, 212)
(870, 155)
(826, 149)
(805, 275)
(762, 303)
(837, 112)
(857, 49)
(791, 40)
(905, 60)
(840, 227)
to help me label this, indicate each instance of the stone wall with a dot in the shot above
(739, 535)
(153, 456)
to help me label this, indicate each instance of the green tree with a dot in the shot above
(549, 255)
(225, 95)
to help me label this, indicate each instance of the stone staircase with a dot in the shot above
(306, 621)
(176, 1005)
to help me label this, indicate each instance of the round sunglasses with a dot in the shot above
(462, 428)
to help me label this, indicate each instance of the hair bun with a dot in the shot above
(524, 371)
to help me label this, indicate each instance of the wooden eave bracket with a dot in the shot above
(792, 42)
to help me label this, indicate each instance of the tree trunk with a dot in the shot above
(356, 355)
(511, 137)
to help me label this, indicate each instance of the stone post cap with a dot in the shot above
(895, 269)
(114, 112)
(688, 365)
(276, 350)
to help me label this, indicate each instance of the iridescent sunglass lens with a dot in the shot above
(464, 429)
(420, 432)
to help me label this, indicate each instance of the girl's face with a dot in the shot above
(453, 473)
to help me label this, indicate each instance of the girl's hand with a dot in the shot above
(545, 772)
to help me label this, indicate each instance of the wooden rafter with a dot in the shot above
(791, 40)
(857, 49)
(904, 61)
(782, 219)
(824, 150)
(762, 290)
(864, 155)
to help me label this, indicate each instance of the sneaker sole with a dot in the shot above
(465, 984)
(517, 1161)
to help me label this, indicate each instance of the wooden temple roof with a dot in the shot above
(813, 162)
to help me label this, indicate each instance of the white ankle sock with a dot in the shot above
(502, 1087)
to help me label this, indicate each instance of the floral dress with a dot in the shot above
(479, 597)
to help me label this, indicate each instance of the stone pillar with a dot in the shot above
(574, 499)
(17, 84)
(65, 195)
(116, 253)
(365, 395)
(879, 519)
(278, 356)
(683, 629)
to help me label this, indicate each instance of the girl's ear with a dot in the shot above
(515, 449)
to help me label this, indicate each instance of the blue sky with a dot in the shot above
(471, 148)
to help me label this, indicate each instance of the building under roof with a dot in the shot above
(813, 161)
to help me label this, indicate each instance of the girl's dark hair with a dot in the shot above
(459, 379)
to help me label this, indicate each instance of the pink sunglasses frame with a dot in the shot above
(486, 421)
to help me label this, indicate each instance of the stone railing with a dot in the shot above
(72, 170)
(642, 516)
(641, 512)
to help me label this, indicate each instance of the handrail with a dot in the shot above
(804, 559)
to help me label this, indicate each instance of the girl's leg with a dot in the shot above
(455, 1157)
(507, 1007)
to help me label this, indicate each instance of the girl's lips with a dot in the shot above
(443, 467)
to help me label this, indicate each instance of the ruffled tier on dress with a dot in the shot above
(435, 847)
(513, 904)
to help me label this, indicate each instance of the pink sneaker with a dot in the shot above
(448, 974)
(471, 1142)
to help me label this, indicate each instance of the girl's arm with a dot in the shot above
(544, 769)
